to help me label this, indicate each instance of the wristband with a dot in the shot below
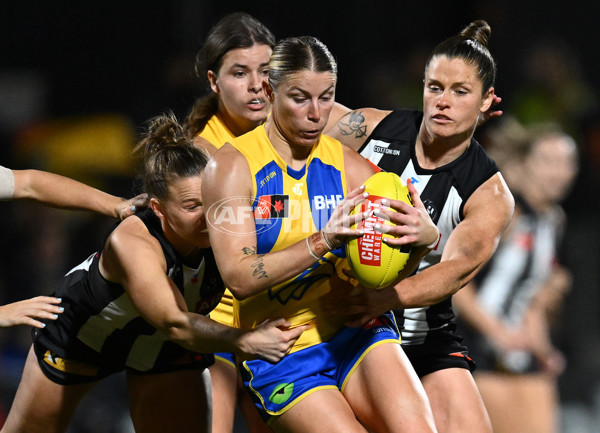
(311, 251)
(7, 183)
(326, 242)
(434, 243)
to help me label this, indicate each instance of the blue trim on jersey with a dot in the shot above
(324, 177)
(296, 174)
(269, 181)
(325, 190)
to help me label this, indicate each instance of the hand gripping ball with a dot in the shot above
(373, 262)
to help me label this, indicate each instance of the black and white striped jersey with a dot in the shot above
(444, 191)
(509, 282)
(521, 264)
(99, 314)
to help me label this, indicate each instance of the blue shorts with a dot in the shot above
(276, 387)
(227, 358)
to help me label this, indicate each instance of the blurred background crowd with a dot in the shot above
(78, 80)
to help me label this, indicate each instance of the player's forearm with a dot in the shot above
(471, 312)
(258, 272)
(537, 328)
(432, 285)
(201, 334)
(63, 192)
(416, 256)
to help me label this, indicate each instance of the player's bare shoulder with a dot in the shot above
(226, 174)
(130, 235)
(358, 169)
(225, 160)
(492, 201)
(204, 144)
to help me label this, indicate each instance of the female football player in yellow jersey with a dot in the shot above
(278, 203)
(234, 59)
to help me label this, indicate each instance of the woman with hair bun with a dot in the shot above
(279, 201)
(234, 61)
(467, 198)
(140, 304)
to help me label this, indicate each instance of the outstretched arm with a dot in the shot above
(156, 297)
(502, 337)
(537, 331)
(63, 192)
(28, 312)
(487, 214)
(470, 246)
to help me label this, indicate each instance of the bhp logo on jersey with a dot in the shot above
(369, 245)
(326, 201)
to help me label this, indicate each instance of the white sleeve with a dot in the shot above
(7, 183)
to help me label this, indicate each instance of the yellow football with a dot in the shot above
(373, 262)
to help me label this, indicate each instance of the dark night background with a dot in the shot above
(73, 73)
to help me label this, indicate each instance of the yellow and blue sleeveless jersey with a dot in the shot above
(217, 134)
(289, 205)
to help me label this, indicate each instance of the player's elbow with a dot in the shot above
(241, 285)
(176, 329)
(238, 289)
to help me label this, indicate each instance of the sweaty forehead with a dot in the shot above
(455, 69)
(305, 80)
(184, 188)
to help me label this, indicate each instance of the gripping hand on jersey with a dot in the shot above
(28, 311)
(127, 208)
(358, 304)
(271, 340)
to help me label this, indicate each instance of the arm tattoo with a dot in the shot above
(259, 267)
(257, 264)
(249, 251)
(354, 125)
(318, 241)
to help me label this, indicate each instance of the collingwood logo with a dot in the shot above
(431, 209)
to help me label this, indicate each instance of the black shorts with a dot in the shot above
(79, 364)
(489, 359)
(438, 353)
